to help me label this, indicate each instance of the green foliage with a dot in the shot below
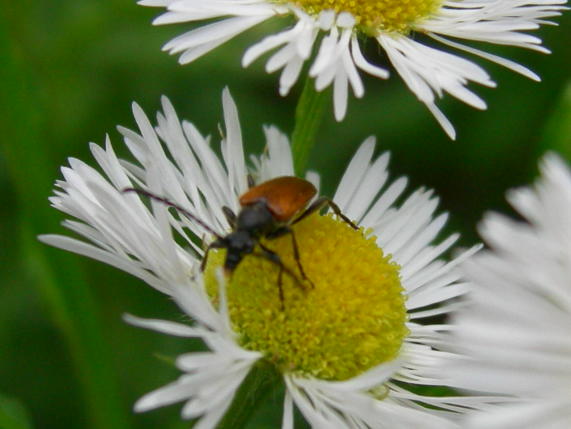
(557, 135)
(13, 415)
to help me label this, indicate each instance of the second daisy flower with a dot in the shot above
(337, 28)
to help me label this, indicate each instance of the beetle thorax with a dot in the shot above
(256, 219)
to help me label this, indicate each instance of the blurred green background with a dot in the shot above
(70, 70)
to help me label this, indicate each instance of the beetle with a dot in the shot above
(267, 210)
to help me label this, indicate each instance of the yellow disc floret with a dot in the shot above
(375, 16)
(349, 316)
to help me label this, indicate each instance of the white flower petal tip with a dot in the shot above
(169, 328)
(513, 328)
(146, 403)
(345, 20)
(428, 72)
(46, 238)
(442, 120)
(326, 20)
(151, 3)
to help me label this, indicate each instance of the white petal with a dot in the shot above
(363, 64)
(287, 419)
(165, 327)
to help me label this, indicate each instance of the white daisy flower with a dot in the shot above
(334, 28)
(349, 343)
(516, 329)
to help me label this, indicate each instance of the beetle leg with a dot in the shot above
(287, 230)
(272, 256)
(230, 216)
(216, 244)
(338, 212)
(321, 202)
(251, 181)
(280, 287)
(298, 259)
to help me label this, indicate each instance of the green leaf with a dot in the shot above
(262, 380)
(557, 133)
(13, 415)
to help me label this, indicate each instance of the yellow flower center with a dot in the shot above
(348, 318)
(375, 16)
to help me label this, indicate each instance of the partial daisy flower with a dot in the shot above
(348, 339)
(335, 28)
(516, 329)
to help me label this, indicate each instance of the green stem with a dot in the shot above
(262, 380)
(308, 116)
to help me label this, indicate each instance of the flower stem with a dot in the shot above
(308, 115)
(262, 380)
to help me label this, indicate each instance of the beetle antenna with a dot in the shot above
(174, 206)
